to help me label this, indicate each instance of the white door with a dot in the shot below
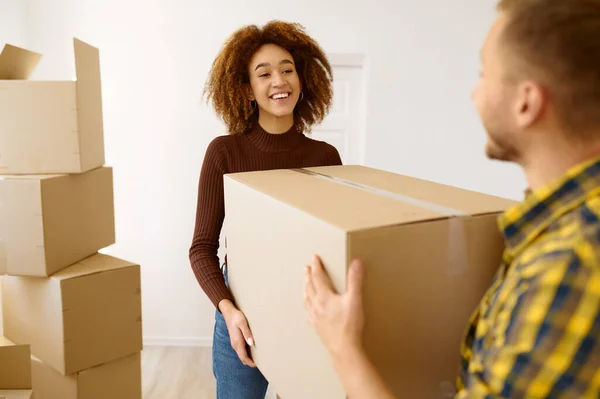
(344, 127)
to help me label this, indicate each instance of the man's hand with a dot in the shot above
(239, 332)
(338, 319)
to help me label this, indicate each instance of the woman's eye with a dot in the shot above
(264, 75)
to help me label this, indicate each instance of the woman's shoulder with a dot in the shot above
(219, 150)
(312, 140)
(321, 144)
(323, 147)
(223, 142)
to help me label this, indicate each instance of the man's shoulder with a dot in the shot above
(573, 240)
(581, 231)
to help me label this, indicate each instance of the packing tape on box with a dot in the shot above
(458, 256)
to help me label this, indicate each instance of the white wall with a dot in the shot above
(12, 28)
(422, 62)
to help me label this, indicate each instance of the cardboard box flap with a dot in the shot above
(291, 186)
(89, 103)
(17, 63)
(97, 263)
(87, 61)
(386, 207)
(469, 202)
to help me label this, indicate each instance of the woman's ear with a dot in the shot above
(249, 92)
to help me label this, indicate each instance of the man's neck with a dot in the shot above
(550, 163)
(276, 125)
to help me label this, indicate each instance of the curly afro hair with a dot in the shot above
(229, 75)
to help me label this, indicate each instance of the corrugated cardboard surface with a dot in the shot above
(429, 260)
(324, 200)
(470, 202)
(1, 307)
(16, 394)
(266, 286)
(15, 367)
(53, 221)
(21, 226)
(84, 316)
(120, 379)
(38, 127)
(2, 256)
(418, 301)
(50, 126)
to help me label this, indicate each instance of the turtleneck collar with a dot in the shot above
(269, 142)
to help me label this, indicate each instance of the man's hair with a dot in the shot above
(229, 75)
(557, 43)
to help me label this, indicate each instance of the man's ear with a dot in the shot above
(531, 103)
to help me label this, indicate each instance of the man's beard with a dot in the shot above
(499, 146)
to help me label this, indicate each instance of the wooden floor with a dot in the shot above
(178, 373)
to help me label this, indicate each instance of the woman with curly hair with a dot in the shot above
(269, 85)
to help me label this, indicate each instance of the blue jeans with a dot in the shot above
(234, 379)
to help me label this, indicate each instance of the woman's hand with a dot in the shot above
(239, 332)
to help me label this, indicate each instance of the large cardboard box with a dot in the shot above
(50, 126)
(119, 379)
(48, 222)
(2, 260)
(16, 394)
(1, 323)
(83, 316)
(430, 250)
(15, 367)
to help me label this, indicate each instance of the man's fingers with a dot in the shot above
(319, 276)
(309, 287)
(355, 279)
(309, 295)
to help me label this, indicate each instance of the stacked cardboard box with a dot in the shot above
(109, 380)
(77, 311)
(15, 370)
(16, 394)
(430, 252)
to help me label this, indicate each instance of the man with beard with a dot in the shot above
(536, 333)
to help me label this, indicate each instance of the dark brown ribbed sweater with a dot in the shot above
(254, 150)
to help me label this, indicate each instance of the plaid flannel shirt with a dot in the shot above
(536, 332)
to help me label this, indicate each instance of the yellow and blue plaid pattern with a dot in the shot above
(536, 333)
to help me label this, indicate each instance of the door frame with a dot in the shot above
(360, 61)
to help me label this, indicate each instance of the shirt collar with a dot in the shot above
(522, 223)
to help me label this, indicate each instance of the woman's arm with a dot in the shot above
(210, 213)
(203, 252)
